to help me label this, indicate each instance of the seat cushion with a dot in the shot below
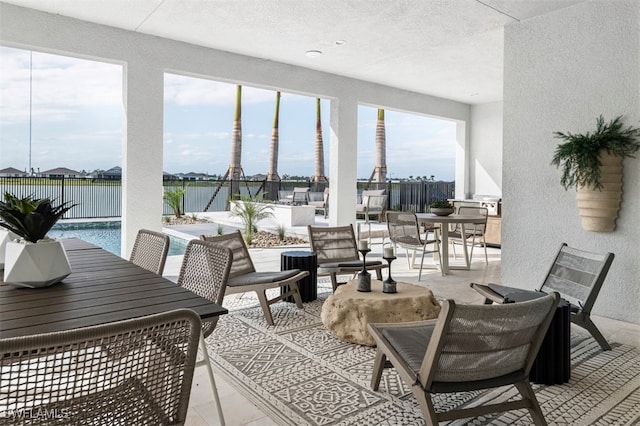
(261, 277)
(411, 343)
(349, 264)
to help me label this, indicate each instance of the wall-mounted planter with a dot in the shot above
(599, 208)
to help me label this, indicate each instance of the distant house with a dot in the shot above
(168, 176)
(11, 172)
(192, 176)
(258, 177)
(61, 172)
(114, 173)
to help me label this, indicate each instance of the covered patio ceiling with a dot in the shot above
(450, 49)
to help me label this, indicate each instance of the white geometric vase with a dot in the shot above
(35, 265)
(5, 237)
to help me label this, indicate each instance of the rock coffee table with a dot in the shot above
(347, 312)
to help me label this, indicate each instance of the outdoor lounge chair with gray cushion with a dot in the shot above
(150, 250)
(66, 378)
(467, 348)
(578, 276)
(244, 278)
(337, 252)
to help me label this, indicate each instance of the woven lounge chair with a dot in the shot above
(337, 252)
(469, 347)
(66, 378)
(578, 276)
(150, 250)
(244, 278)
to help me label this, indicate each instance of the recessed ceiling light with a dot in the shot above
(313, 53)
(340, 43)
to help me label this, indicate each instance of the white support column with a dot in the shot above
(142, 148)
(343, 161)
(462, 160)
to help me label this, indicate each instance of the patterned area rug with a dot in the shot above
(298, 373)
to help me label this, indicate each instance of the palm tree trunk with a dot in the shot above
(235, 168)
(319, 169)
(381, 150)
(273, 154)
(271, 186)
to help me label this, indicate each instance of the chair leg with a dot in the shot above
(207, 363)
(484, 244)
(426, 405)
(334, 280)
(378, 367)
(524, 387)
(262, 297)
(379, 274)
(296, 294)
(424, 249)
(583, 320)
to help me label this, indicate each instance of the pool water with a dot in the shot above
(105, 235)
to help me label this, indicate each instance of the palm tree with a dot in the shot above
(381, 150)
(235, 168)
(319, 175)
(272, 176)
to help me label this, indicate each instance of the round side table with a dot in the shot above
(305, 261)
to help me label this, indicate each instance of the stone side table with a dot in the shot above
(347, 312)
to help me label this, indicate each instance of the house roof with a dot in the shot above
(61, 171)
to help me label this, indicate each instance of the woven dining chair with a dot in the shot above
(150, 250)
(205, 271)
(404, 232)
(474, 232)
(65, 378)
(468, 348)
(243, 276)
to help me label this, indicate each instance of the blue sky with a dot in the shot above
(77, 115)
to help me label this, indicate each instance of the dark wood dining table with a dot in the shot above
(101, 288)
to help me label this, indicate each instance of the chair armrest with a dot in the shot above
(488, 293)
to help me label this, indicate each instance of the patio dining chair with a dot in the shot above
(64, 378)
(374, 203)
(468, 348)
(150, 250)
(474, 234)
(337, 252)
(244, 278)
(205, 271)
(578, 276)
(404, 232)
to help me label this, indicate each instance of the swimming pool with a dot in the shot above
(105, 234)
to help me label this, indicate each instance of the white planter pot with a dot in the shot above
(35, 264)
(5, 237)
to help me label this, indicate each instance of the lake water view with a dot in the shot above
(105, 234)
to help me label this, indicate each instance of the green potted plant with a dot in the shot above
(32, 259)
(592, 163)
(441, 208)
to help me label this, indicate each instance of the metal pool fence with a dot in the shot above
(98, 198)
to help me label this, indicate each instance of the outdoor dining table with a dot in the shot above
(101, 288)
(444, 221)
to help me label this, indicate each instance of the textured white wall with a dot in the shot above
(485, 165)
(563, 70)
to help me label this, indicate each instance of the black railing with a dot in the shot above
(98, 198)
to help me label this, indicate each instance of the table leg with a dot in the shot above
(445, 248)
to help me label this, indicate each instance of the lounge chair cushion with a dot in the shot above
(261, 277)
(350, 264)
(411, 343)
